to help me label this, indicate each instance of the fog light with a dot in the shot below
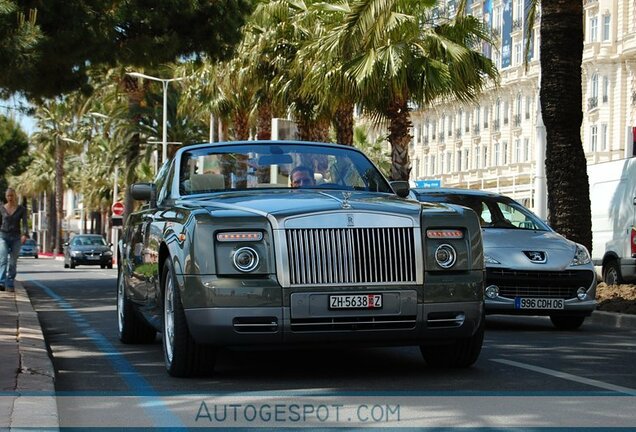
(581, 294)
(492, 291)
(245, 259)
(445, 256)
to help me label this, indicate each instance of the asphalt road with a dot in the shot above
(528, 375)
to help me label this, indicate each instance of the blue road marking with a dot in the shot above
(159, 412)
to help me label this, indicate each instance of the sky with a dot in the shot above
(11, 108)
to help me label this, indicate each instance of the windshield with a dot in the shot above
(88, 241)
(493, 212)
(244, 167)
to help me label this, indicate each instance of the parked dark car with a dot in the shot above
(29, 249)
(267, 243)
(530, 269)
(88, 249)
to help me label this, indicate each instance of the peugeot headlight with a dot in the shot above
(76, 254)
(490, 260)
(581, 256)
(108, 253)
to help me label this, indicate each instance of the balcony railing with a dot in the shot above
(517, 24)
(496, 124)
(516, 120)
(592, 103)
(458, 132)
(476, 128)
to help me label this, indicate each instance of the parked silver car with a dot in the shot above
(267, 243)
(530, 269)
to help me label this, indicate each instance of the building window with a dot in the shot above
(517, 150)
(433, 167)
(592, 101)
(458, 164)
(594, 138)
(506, 112)
(477, 160)
(467, 158)
(486, 117)
(594, 29)
(605, 89)
(485, 164)
(526, 149)
(518, 9)
(603, 136)
(518, 54)
(495, 156)
(504, 153)
(528, 107)
(449, 162)
(606, 27)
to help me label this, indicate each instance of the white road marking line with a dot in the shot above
(570, 377)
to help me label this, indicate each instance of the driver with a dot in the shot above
(302, 176)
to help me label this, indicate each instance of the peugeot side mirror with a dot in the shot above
(401, 188)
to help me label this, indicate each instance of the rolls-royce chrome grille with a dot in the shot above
(325, 256)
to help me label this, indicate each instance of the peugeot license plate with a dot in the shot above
(355, 301)
(538, 303)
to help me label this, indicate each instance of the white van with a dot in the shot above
(613, 199)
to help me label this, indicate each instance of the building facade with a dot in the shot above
(495, 143)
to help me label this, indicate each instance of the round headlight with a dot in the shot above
(445, 256)
(245, 259)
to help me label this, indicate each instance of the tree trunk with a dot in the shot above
(264, 121)
(52, 225)
(132, 154)
(59, 194)
(561, 105)
(241, 126)
(400, 139)
(343, 122)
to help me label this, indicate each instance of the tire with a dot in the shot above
(612, 273)
(72, 264)
(462, 353)
(182, 355)
(102, 266)
(65, 265)
(36, 257)
(132, 328)
(110, 266)
(567, 322)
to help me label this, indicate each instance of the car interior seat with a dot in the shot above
(205, 182)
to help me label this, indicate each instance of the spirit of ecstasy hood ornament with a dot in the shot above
(346, 196)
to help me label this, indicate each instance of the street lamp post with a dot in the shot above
(164, 82)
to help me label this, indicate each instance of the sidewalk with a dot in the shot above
(26, 367)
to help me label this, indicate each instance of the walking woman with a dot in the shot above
(14, 223)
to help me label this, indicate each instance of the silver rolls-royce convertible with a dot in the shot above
(266, 243)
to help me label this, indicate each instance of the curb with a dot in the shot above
(612, 319)
(36, 371)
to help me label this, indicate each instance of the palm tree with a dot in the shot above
(399, 55)
(56, 123)
(561, 31)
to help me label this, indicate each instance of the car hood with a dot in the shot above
(509, 247)
(289, 203)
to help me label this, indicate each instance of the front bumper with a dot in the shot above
(431, 323)
(514, 285)
(90, 261)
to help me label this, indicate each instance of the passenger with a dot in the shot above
(302, 176)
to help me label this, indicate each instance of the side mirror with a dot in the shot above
(110, 245)
(401, 188)
(144, 192)
(65, 244)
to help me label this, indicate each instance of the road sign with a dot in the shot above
(426, 184)
(118, 209)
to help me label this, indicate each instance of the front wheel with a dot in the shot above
(182, 355)
(612, 273)
(461, 353)
(567, 322)
(132, 328)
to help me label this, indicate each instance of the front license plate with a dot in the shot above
(92, 257)
(538, 303)
(355, 301)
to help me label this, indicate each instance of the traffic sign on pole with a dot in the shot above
(118, 209)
